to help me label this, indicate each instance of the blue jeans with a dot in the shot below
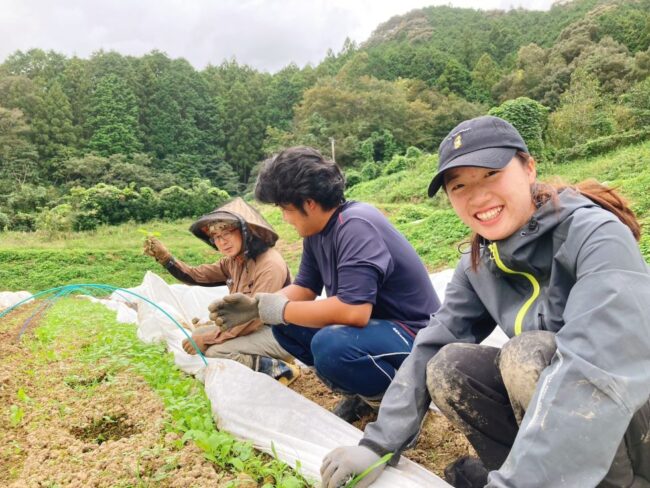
(350, 360)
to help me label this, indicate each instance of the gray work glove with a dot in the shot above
(237, 309)
(344, 463)
(156, 249)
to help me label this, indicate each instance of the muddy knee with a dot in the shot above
(521, 362)
(445, 381)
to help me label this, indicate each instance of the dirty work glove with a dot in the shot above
(154, 248)
(344, 463)
(237, 309)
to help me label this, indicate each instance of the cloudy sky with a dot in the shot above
(266, 34)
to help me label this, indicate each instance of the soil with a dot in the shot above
(438, 445)
(86, 427)
(95, 427)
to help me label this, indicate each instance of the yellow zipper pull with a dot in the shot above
(522, 311)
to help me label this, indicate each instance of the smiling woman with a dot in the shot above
(493, 202)
(565, 402)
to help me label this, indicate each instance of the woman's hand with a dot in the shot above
(156, 249)
(344, 463)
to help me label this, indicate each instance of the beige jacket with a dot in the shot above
(267, 273)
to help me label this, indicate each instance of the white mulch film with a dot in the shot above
(252, 406)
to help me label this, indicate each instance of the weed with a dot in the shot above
(16, 414)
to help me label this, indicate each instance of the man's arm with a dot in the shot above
(297, 293)
(303, 309)
(320, 313)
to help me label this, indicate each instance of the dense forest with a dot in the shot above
(85, 142)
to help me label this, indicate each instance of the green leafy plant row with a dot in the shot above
(117, 347)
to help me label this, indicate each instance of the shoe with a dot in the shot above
(285, 373)
(352, 408)
(466, 472)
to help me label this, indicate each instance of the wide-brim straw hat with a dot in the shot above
(235, 211)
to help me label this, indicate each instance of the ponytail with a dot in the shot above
(603, 196)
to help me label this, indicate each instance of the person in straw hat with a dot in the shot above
(249, 265)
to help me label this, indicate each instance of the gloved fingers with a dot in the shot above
(370, 478)
(340, 477)
(214, 306)
(327, 460)
(326, 471)
(234, 298)
(220, 317)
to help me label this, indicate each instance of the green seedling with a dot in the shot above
(16, 415)
(22, 396)
(354, 481)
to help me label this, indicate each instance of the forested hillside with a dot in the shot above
(85, 142)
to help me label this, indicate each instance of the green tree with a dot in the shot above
(638, 102)
(17, 153)
(454, 79)
(224, 177)
(78, 87)
(350, 113)
(582, 115)
(485, 75)
(36, 64)
(285, 91)
(54, 133)
(113, 118)
(529, 118)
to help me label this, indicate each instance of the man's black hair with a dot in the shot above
(298, 174)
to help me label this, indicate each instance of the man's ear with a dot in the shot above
(310, 204)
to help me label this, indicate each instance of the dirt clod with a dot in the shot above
(106, 428)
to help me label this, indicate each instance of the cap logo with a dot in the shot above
(458, 142)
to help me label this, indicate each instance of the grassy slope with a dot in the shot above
(113, 255)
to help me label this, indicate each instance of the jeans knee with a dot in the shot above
(328, 343)
(327, 349)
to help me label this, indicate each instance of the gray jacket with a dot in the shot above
(575, 270)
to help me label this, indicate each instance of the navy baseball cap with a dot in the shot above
(486, 142)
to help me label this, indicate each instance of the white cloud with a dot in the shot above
(267, 34)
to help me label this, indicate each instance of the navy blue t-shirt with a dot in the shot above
(359, 257)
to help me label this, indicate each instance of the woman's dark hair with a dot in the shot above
(253, 244)
(603, 196)
(298, 174)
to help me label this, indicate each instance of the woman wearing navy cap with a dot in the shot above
(565, 401)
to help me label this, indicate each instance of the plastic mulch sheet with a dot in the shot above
(252, 406)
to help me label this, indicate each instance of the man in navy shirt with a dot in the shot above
(378, 291)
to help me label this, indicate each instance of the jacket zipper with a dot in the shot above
(519, 319)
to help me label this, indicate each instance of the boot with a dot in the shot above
(351, 408)
(466, 472)
(282, 371)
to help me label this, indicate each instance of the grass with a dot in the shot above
(112, 255)
(116, 347)
(35, 261)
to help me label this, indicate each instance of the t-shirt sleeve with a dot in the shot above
(308, 273)
(364, 262)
